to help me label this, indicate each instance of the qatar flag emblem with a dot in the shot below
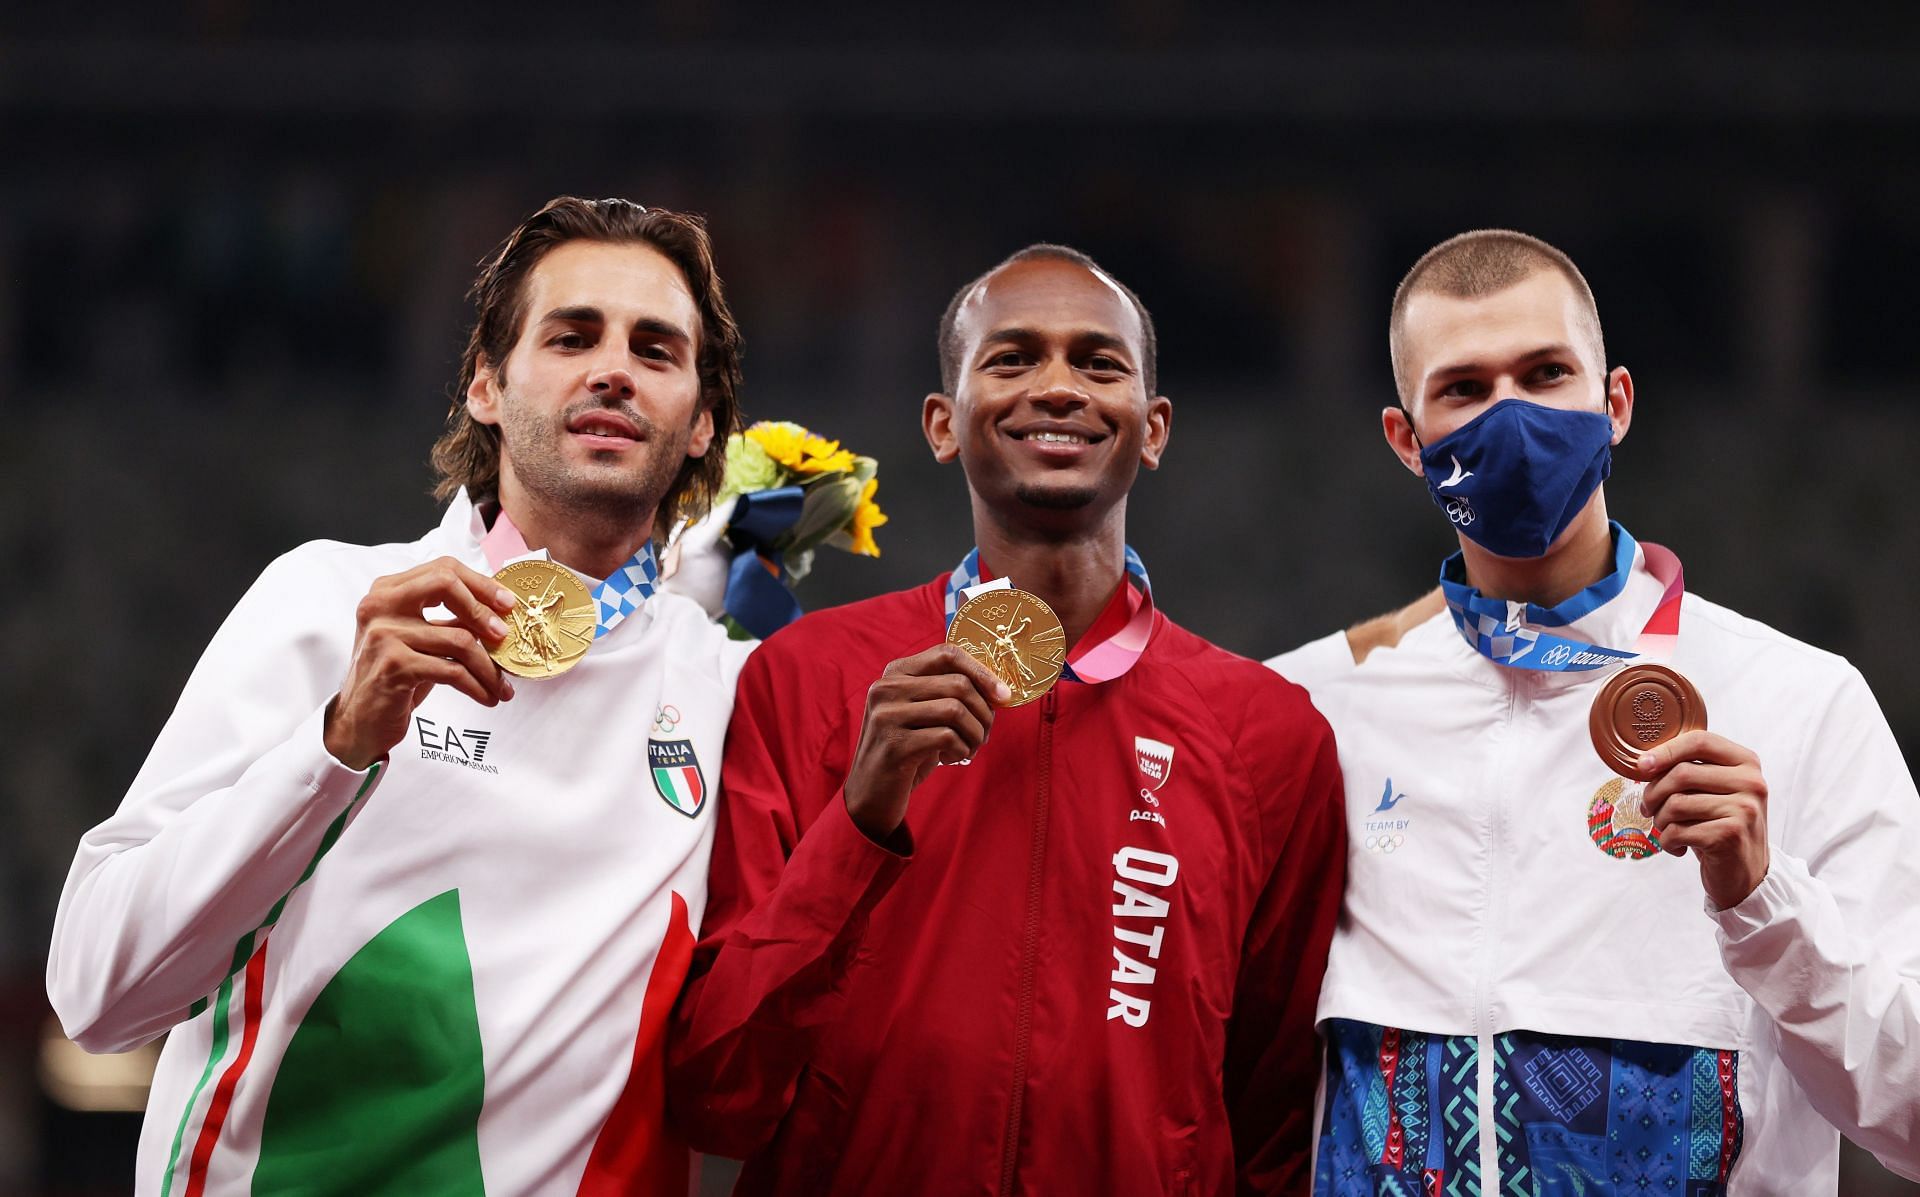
(1155, 759)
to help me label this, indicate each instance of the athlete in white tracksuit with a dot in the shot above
(1523, 996)
(410, 927)
(446, 967)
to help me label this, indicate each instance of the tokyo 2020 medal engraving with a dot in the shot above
(1016, 635)
(552, 622)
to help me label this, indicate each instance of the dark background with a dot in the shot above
(233, 250)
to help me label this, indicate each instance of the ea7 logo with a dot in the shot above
(465, 746)
(1155, 760)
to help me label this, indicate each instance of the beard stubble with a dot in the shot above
(605, 496)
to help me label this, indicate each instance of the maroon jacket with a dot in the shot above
(1081, 967)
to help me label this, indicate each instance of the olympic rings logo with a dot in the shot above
(666, 719)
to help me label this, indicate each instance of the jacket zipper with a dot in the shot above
(1029, 950)
(1488, 1145)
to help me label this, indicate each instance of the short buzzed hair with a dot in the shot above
(949, 342)
(1477, 263)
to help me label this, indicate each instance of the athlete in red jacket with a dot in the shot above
(1087, 963)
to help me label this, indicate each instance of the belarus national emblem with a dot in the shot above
(676, 774)
(1617, 824)
(1155, 760)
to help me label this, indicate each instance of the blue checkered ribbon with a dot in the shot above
(621, 595)
(1497, 628)
(967, 573)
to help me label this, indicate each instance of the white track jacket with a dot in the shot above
(449, 974)
(1510, 1009)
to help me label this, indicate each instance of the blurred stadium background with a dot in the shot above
(233, 251)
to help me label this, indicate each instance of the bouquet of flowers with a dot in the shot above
(836, 487)
(787, 492)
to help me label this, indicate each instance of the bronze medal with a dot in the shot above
(1638, 708)
(552, 622)
(1016, 635)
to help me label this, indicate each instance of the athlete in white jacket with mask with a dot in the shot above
(1525, 995)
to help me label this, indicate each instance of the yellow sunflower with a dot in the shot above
(783, 440)
(866, 517)
(833, 460)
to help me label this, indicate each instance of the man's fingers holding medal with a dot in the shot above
(938, 706)
(399, 654)
(1707, 793)
(1701, 762)
(946, 660)
(933, 708)
(475, 601)
(468, 667)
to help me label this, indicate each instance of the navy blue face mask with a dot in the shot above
(1514, 476)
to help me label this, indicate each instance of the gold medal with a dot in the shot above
(552, 622)
(1016, 635)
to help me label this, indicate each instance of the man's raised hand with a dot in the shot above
(399, 655)
(1707, 794)
(933, 708)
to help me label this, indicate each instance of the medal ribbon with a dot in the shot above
(1099, 662)
(614, 598)
(1496, 628)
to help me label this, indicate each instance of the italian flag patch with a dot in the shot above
(677, 776)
